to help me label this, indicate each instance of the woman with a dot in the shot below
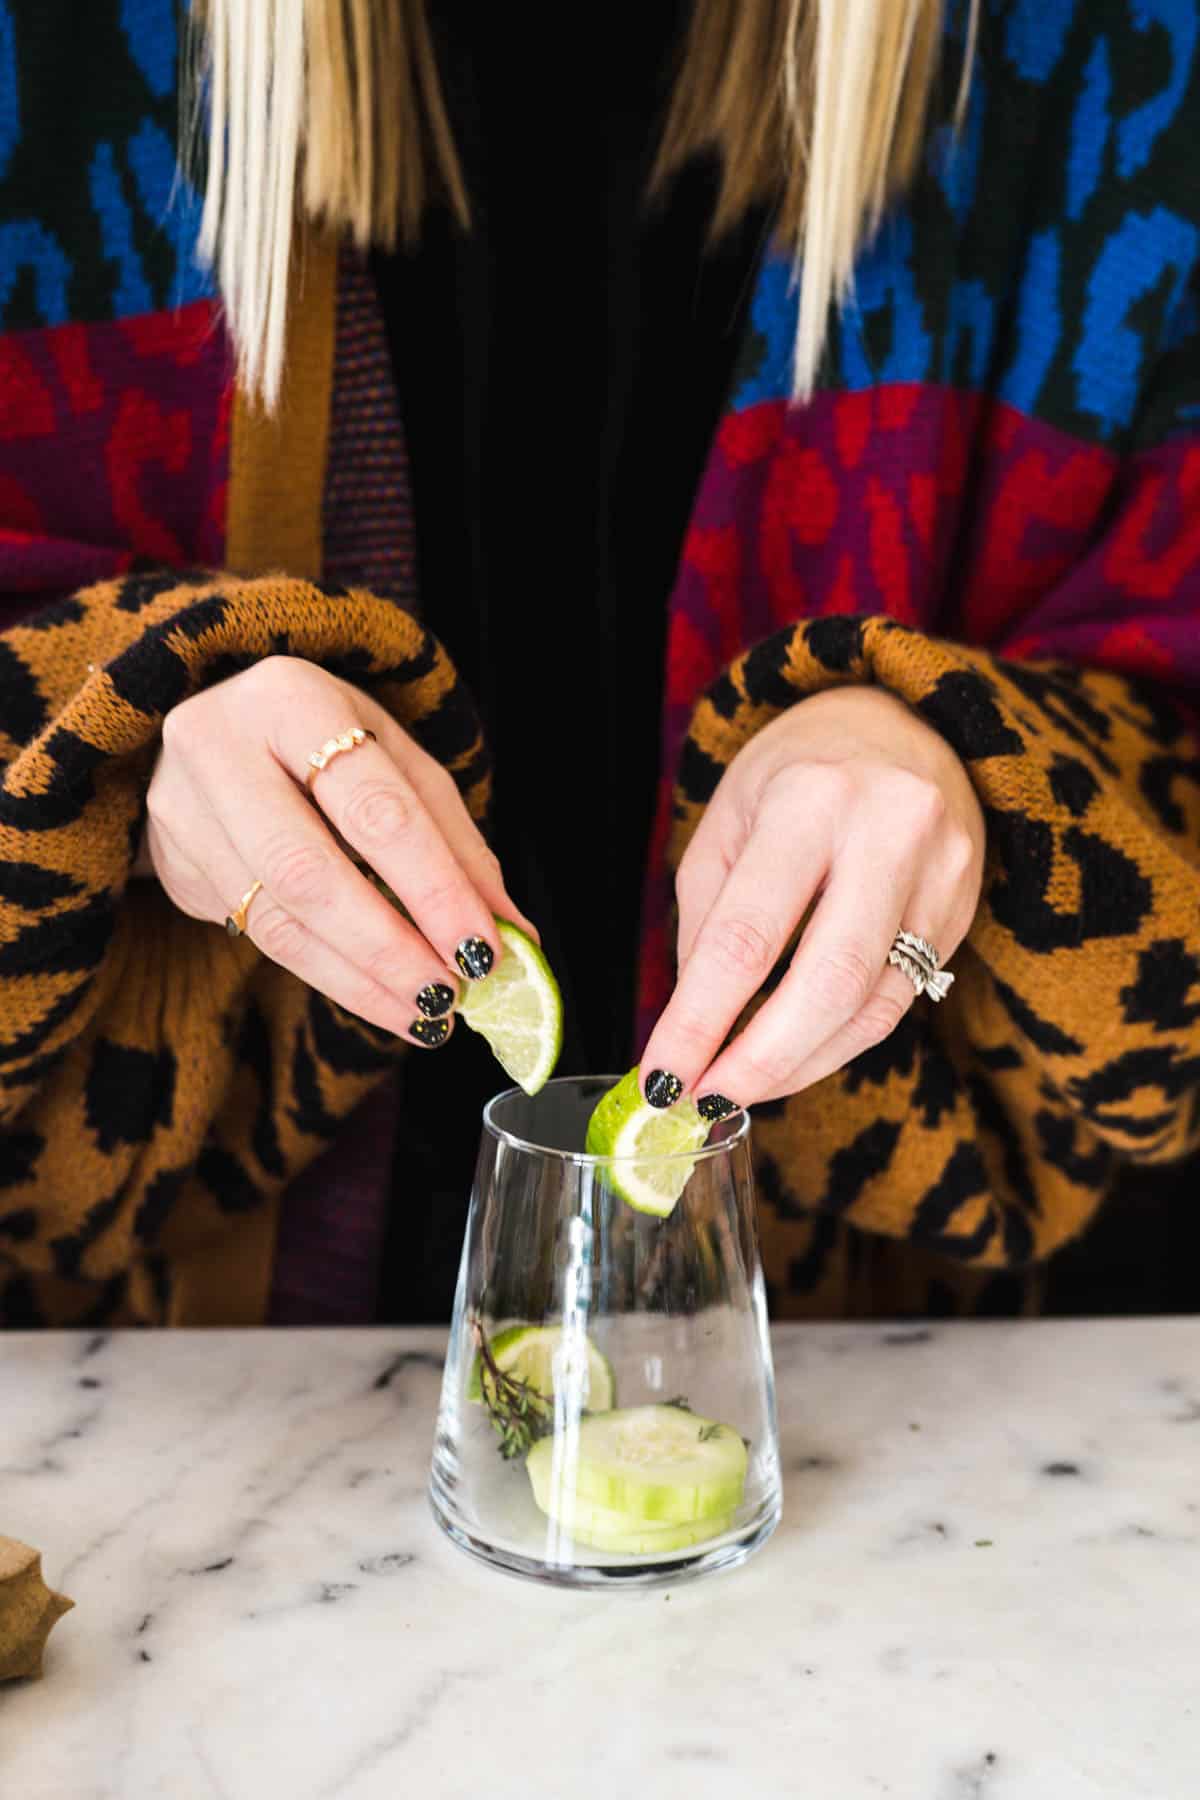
(974, 486)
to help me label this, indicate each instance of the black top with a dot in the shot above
(561, 369)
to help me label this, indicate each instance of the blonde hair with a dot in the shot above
(820, 107)
(333, 108)
(327, 108)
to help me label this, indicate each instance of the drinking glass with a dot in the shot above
(635, 1312)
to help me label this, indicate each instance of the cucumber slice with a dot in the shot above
(650, 1541)
(599, 1529)
(649, 1463)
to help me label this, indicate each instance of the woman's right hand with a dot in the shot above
(227, 807)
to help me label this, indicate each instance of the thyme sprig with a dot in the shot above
(519, 1413)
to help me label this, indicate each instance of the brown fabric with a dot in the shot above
(277, 463)
(161, 1083)
(332, 1221)
(986, 1132)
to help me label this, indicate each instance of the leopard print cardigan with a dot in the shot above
(160, 1082)
(985, 1133)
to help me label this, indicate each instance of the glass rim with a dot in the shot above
(586, 1158)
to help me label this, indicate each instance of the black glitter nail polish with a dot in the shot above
(474, 957)
(715, 1107)
(662, 1088)
(430, 1032)
(435, 999)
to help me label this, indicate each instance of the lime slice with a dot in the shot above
(657, 1465)
(624, 1125)
(536, 1354)
(518, 1009)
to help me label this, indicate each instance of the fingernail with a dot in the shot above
(715, 1106)
(430, 1032)
(435, 999)
(662, 1089)
(474, 957)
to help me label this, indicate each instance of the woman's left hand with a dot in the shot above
(848, 800)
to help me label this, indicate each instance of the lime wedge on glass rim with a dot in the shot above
(518, 1009)
(534, 1353)
(626, 1126)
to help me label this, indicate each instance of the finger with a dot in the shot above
(439, 793)
(877, 1018)
(320, 898)
(745, 931)
(174, 796)
(935, 912)
(837, 966)
(213, 894)
(376, 809)
(186, 886)
(703, 872)
(880, 1015)
(414, 1012)
(294, 947)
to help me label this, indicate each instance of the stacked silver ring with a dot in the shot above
(916, 957)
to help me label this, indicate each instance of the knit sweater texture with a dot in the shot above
(991, 507)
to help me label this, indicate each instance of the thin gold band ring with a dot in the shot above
(335, 746)
(235, 924)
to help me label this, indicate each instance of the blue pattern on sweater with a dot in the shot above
(1045, 254)
(115, 234)
(10, 99)
(1090, 128)
(1136, 134)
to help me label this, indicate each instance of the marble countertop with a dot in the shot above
(986, 1585)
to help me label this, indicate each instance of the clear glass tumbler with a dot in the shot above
(608, 1404)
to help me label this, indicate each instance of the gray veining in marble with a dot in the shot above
(986, 1585)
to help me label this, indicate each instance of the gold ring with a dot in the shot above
(335, 746)
(235, 924)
